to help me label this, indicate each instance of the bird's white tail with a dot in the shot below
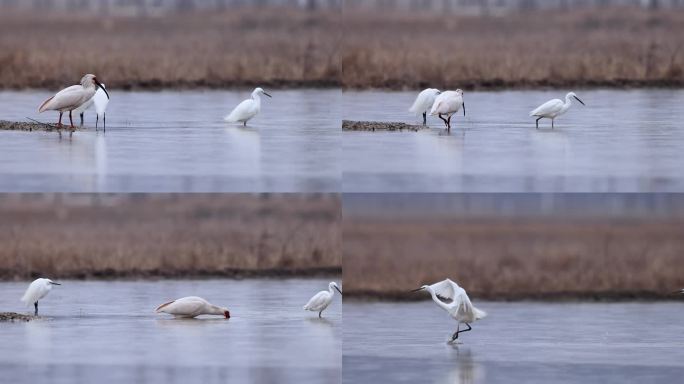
(479, 314)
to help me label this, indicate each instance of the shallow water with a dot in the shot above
(622, 141)
(107, 332)
(177, 142)
(516, 343)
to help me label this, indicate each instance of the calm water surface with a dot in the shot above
(516, 343)
(178, 142)
(107, 332)
(622, 141)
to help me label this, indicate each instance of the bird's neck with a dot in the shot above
(214, 310)
(332, 291)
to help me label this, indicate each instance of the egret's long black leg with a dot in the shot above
(538, 122)
(244, 123)
(449, 124)
(424, 118)
(444, 120)
(319, 314)
(455, 335)
(551, 123)
(104, 122)
(82, 118)
(36, 305)
(71, 120)
(59, 124)
(97, 120)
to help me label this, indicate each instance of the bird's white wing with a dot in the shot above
(424, 101)
(84, 106)
(317, 300)
(244, 110)
(446, 289)
(66, 98)
(35, 291)
(185, 306)
(447, 102)
(550, 107)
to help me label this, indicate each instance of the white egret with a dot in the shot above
(448, 103)
(72, 97)
(554, 108)
(322, 299)
(192, 306)
(100, 101)
(247, 109)
(453, 299)
(424, 102)
(38, 289)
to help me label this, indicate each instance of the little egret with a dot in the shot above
(38, 289)
(247, 109)
(554, 108)
(322, 299)
(72, 97)
(448, 103)
(424, 102)
(192, 306)
(458, 306)
(100, 101)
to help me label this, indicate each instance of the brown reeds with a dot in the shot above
(244, 47)
(107, 236)
(515, 259)
(586, 47)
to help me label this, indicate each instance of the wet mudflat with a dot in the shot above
(107, 332)
(518, 342)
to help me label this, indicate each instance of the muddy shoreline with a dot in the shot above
(373, 126)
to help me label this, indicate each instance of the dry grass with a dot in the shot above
(83, 236)
(271, 47)
(608, 47)
(515, 259)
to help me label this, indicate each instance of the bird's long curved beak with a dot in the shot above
(417, 289)
(578, 99)
(464, 108)
(338, 290)
(102, 88)
(267, 94)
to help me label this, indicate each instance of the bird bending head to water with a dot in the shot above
(192, 306)
(448, 103)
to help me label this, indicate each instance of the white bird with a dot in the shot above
(424, 102)
(100, 101)
(247, 109)
(458, 306)
(448, 103)
(554, 108)
(192, 306)
(322, 299)
(72, 97)
(38, 289)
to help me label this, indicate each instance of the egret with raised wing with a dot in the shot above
(38, 289)
(554, 108)
(100, 101)
(247, 109)
(448, 103)
(68, 99)
(424, 102)
(192, 306)
(453, 299)
(322, 299)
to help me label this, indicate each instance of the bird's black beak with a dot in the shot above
(417, 289)
(102, 88)
(463, 108)
(338, 290)
(53, 283)
(581, 102)
(267, 94)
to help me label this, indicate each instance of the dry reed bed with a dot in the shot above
(515, 259)
(605, 47)
(83, 236)
(271, 47)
